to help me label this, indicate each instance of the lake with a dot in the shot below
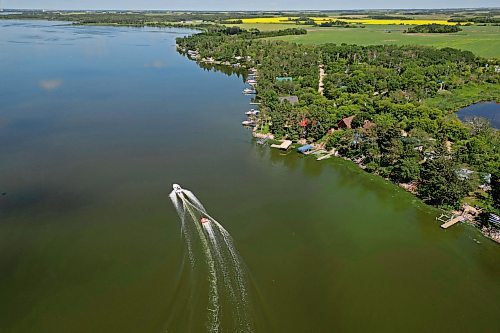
(488, 110)
(96, 123)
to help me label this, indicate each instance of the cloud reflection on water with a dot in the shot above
(50, 85)
(156, 64)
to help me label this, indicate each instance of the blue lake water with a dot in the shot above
(487, 110)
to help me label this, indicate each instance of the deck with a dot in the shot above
(450, 220)
(284, 145)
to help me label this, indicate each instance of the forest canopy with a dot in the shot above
(399, 131)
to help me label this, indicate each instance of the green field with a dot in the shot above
(482, 40)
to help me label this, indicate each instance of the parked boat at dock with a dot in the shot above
(248, 91)
(249, 123)
(252, 112)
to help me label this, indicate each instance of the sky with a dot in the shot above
(242, 4)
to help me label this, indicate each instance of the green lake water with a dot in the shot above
(96, 123)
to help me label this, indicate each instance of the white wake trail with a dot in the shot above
(214, 292)
(181, 211)
(225, 269)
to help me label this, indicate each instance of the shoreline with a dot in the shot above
(456, 106)
(471, 219)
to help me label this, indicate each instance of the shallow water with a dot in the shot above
(96, 123)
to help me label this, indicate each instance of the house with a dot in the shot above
(290, 99)
(368, 125)
(495, 219)
(346, 122)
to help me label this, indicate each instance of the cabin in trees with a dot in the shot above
(290, 99)
(368, 124)
(346, 122)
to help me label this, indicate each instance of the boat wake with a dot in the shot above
(210, 247)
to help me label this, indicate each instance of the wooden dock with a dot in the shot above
(451, 221)
(324, 157)
(283, 146)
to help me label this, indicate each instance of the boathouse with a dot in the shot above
(305, 149)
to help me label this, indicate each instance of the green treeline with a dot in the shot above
(394, 93)
(389, 17)
(434, 29)
(133, 18)
(332, 23)
(475, 19)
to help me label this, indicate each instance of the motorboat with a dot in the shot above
(249, 123)
(249, 91)
(177, 188)
(252, 112)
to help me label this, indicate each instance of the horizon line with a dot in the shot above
(251, 10)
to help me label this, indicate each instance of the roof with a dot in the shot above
(305, 148)
(494, 219)
(284, 78)
(368, 124)
(291, 99)
(347, 122)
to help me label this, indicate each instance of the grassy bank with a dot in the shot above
(482, 40)
(465, 96)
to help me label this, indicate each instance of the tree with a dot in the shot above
(495, 189)
(407, 170)
(440, 183)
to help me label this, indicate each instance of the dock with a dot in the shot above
(284, 145)
(449, 220)
(324, 157)
(317, 151)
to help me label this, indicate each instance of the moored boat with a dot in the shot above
(249, 123)
(248, 91)
(252, 112)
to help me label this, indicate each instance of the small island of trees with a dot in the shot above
(433, 29)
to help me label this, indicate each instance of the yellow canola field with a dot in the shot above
(360, 20)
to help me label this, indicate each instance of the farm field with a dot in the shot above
(270, 26)
(482, 40)
(360, 20)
